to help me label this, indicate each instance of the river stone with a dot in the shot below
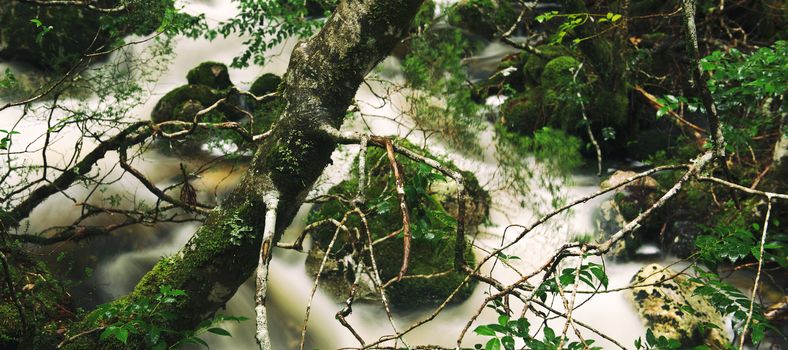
(265, 84)
(634, 197)
(434, 231)
(477, 201)
(337, 277)
(211, 74)
(659, 298)
(168, 106)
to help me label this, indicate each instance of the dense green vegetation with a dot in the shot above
(677, 108)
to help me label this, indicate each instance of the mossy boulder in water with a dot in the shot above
(548, 104)
(183, 102)
(210, 74)
(534, 64)
(663, 298)
(486, 18)
(523, 113)
(75, 30)
(430, 200)
(627, 203)
(265, 84)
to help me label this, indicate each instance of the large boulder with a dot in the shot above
(523, 114)
(664, 298)
(533, 64)
(477, 200)
(485, 18)
(183, 102)
(210, 74)
(626, 204)
(432, 206)
(265, 84)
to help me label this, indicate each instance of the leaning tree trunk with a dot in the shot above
(322, 79)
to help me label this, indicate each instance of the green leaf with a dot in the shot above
(507, 342)
(493, 344)
(484, 330)
(219, 331)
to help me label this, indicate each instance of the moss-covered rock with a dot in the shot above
(627, 203)
(523, 113)
(178, 103)
(210, 74)
(534, 64)
(486, 18)
(265, 84)
(662, 296)
(74, 30)
(430, 202)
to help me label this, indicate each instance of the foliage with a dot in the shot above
(144, 317)
(441, 100)
(749, 90)
(729, 300)
(504, 333)
(735, 242)
(557, 152)
(268, 23)
(659, 343)
(570, 21)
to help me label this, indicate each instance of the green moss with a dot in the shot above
(433, 229)
(523, 113)
(44, 301)
(534, 63)
(265, 84)
(557, 73)
(173, 102)
(211, 74)
(610, 107)
(486, 18)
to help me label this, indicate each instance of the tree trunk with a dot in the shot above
(321, 81)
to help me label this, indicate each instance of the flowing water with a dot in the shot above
(122, 259)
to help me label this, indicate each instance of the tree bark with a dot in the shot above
(323, 77)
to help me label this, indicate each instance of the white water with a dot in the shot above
(121, 263)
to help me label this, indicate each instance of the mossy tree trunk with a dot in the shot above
(322, 79)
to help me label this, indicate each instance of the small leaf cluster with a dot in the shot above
(571, 21)
(587, 274)
(661, 343)
(729, 300)
(504, 333)
(144, 317)
(749, 90)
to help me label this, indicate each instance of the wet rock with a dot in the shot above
(337, 277)
(477, 201)
(179, 103)
(431, 204)
(211, 74)
(627, 203)
(663, 299)
(265, 84)
(634, 197)
(486, 18)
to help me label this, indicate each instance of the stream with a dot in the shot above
(122, 259)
